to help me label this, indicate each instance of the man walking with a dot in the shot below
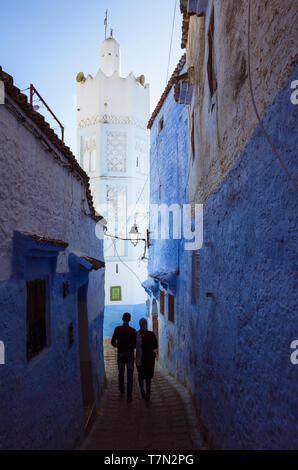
(124, 339)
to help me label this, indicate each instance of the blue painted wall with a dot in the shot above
(47, 390)
(168, 176)
(41, 400)
(233, 349)
(113, 317)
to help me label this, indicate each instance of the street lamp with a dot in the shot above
(134, 235)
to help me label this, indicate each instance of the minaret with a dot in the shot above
(110, 56)
(113, 148)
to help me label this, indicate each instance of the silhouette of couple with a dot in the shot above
(126, 340)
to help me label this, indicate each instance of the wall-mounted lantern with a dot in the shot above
(134, 238)
(134, 235)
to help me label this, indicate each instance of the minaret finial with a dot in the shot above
(106, 23)
(111, 32)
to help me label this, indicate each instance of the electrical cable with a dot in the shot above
(114, 237)
(127, 239)
(174, 16)
(255, 106)
(126, 265)
(131, 214)
(155, 158)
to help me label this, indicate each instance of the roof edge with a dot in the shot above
(22, 101)
(167, 90)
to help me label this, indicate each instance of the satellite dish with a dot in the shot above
(141, 79)
(80, 77)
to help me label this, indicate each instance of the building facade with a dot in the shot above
(113, 148)
(168, 188)
(51, 285)
(235, 315)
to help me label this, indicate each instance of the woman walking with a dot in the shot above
(145, 357)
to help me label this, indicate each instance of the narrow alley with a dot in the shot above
(164, 423)
(148, 225)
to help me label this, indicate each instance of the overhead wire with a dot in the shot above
(171, 42)
(146, 181)
(126, 265)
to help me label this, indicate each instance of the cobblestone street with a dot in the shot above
(166, 423)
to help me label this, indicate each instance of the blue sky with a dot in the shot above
(47, 42)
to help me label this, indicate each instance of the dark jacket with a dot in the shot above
(149, 343)
(124, 338)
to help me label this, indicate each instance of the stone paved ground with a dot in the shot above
(166, 423)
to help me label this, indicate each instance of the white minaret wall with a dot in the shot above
(112, 95)
(113, 148)
(110, 57)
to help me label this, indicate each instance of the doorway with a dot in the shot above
(85, 355)
(154, 314)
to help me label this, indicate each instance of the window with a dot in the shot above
(162, 302)
(115, 293)
(36, 317)
(195, 285)
(210, 64)
(89, 156)
(160, 125)
(171, 308)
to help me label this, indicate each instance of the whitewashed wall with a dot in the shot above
(112, 116)
(38, 195)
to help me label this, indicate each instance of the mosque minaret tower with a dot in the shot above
(113, 149)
